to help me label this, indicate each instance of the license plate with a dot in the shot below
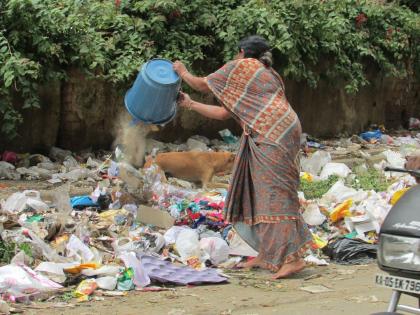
(398, 283)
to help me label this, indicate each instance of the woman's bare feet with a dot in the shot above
(289, 269)
(254, 263)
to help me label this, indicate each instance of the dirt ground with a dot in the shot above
(351, 290)
(249, 293)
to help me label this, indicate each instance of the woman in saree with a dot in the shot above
(262, 202)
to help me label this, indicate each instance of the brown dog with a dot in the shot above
(194, 166)
(413, 163)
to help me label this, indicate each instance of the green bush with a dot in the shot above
(370, 180)
(41, 40)
(317, 189)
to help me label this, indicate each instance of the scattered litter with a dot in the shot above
(129, 229)
(314, 289)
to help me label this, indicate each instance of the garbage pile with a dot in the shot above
(346, 217)
(136, 231)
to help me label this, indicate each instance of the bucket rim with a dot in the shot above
(160, 83)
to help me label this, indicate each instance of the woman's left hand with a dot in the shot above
(180, 68)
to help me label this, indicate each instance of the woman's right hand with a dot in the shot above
(180, 68)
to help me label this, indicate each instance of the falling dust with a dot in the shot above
(132, 138)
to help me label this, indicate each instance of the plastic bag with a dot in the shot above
(228, 137)
(316, 162)
(338, 193)
(312, 215)
(22, 281)
(76, 175)
(187, 244)
(37, 205)
(70, 162)
(341, 211)
(394, 159)
(141, 278)
(107, 283)
(376, 206)
(172, 234)
(371, 135)
(17, 202)
(76, 248)
(339, 169)
(350, 251)
(216, 248)
(126, 244)
(54, 271)
(125, 280)
(8, 171)
(85, 288)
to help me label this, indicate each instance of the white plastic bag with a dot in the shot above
(37, 205)
(394, 159)
(20, 281)
(339, 169)
(7, 171)
(172, 234)
(76, 248)
(141, 278)
(216, 248)
(54, 271)
(312, 215)
(187, 244)
(316, 162)
(106, 283)
(339, 192)
(124, 244)
(17, 202)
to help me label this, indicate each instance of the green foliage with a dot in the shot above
(7, 251)
(317, 189)
(27, 249)
(348, 33)
(41, 40)
(66, 296)
(370, 180)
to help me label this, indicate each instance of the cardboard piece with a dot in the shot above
(156, 217)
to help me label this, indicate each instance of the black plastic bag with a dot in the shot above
(350, 252)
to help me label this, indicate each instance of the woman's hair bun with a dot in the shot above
(266, 58)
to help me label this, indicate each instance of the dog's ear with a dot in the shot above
(232, 157)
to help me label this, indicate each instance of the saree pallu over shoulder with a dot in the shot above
(256, 96)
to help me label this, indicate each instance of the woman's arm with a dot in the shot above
(209, 111)
(197, 83)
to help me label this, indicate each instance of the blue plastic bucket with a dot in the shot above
(152, 98)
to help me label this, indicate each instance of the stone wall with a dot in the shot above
(81, 113)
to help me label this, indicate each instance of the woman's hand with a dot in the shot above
(180, 68)
(184, 100)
